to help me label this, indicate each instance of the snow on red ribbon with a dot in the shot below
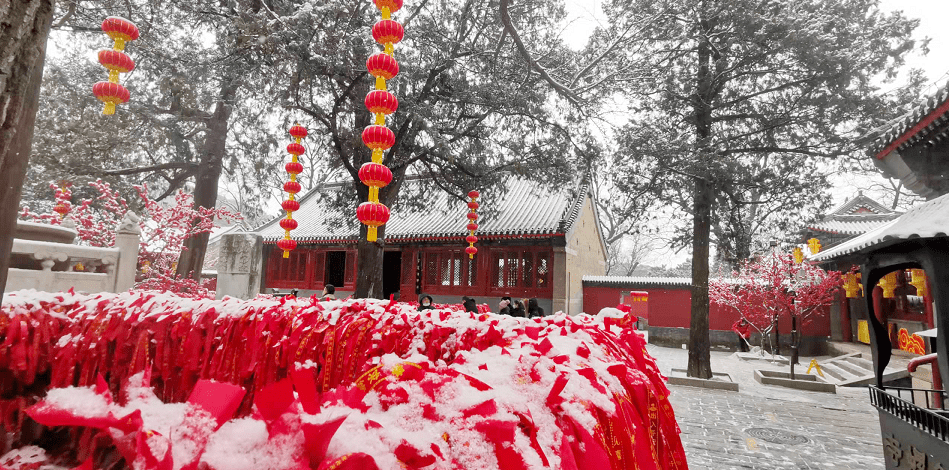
(361, 371)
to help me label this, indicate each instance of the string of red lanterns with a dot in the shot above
(472, 223)
(381, 103)
(292, 187)
(111, 93)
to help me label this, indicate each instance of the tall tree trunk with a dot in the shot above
(191, 260)
(699, 358)
(369, 257)
(700, 364)
(24, 27)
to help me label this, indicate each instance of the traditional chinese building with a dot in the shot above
(915, 150)
(531, 243)
(855, 216)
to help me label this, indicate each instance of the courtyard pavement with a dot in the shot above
(769, 427)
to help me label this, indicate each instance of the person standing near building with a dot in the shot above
(470, 305)
(743, 329)
(504, 307)
(425, 303)
(534, 310)
(329, 292)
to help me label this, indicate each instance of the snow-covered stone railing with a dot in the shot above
(57, 268)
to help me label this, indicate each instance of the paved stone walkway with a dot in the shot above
(814, 430)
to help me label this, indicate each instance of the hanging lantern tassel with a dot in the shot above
(381, 103)
(116, 61)
(292, 187)
(472, 224)
(798, 255)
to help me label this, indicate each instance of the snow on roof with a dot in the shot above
(635, 281)
(928, 220)
(847, 227)
(526, 209)
(911, 128)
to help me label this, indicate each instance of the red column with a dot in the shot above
(928, 306)
(845, 330)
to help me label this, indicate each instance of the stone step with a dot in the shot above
(852, 368)
(834, 373)
(860, 361)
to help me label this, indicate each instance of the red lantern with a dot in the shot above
(291, 205)
(388, 32)
(472, 226)
(111, 94)
(120, 30)
(294, 168)
(298, 131)
(372, 214)
(296, 149)
(62, 210)
(379, 101)
(287, 245)
(116, 61)
(375, 175)
(378, 137)
(383, 67)
(292, 187)
(392, 5)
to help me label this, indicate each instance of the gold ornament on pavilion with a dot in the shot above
(814, 246)
(919, 282)
(852, 285)
(889, 284)
(798, 255)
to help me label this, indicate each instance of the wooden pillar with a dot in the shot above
(846, 332)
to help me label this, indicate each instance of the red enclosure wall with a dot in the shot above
(671, 307)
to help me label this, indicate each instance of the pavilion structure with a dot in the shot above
(532, 243)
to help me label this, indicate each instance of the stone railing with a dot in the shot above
(53, 266)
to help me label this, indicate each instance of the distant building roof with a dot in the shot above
(525, 209)
(630, 281)
(855, 216)
(926, 122)
(928, 220)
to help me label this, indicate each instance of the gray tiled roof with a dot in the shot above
(848, 227)
(895, 130)
(525, 209)
(637, 281)
(927, 220)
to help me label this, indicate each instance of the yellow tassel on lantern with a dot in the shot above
(888, 284)
(814, 245)
(798, 255)
(919, 282)
(852, 285)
